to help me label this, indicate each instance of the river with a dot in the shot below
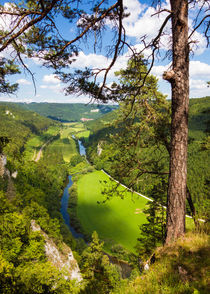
(65, 199)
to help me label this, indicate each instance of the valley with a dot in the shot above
(62, 186)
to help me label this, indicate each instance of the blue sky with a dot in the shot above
(140, 22)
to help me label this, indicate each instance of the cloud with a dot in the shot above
(96, 61)
(91, 60)
(51, 79)
(158, 70)
(23, 82)
(198, 84)
(199, 69)
(134, 8)
(142, 21)
(198, 88)
(55, 88)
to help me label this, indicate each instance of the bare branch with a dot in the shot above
(88, 27)
(25, 67)
(116, 47)
(200, 23)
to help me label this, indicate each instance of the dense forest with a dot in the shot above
(69, 112)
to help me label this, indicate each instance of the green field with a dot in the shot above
(34, 144)
(77, 129)
(116, 221)
(65, 145)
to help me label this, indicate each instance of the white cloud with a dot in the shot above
(91, 60)
(134, 8)
(199, 69)
(158, 70)
(198, 88)
(96, 61)
(51, 79)
(198, 84)
(141, 22)
(55, 88)
(23, 82)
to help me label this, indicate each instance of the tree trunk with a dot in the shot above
(179, 79)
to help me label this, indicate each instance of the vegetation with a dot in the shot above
(17, 125)
(69, 112)
(153, 157)
(36, 196)
(181, 267)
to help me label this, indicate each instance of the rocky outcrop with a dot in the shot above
(63, 260)
(3, 162)
(99, 148)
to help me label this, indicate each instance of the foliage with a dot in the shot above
(69, 112)
(152, 233)
(179, 268)
(7, 67)
(17, 125)
(75, 160)
(124, 160)
(100, 275)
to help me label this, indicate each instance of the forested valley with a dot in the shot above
(32, 186)
(111, 196)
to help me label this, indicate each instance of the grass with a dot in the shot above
(66, 146)
(32, 146)
(116, 221)
(74, 128)
(182, 267)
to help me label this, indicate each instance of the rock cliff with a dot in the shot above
(63, 260)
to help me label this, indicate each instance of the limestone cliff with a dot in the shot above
(62, 260)
(3, 162)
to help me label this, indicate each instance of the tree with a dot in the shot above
(153, 232)
(101, 276)
(35, 24)
(179, 80)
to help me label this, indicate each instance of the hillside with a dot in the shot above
(18, 124)
(182, 267)
(112, 155)
(67, 112)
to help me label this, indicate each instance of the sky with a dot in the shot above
(140, 22)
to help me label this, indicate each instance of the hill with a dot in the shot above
(18, 124)
(67, 112)
(104, 151)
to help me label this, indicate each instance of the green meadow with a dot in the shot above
(117, 220)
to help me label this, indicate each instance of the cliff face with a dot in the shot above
(63, 260)
(3, 162)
